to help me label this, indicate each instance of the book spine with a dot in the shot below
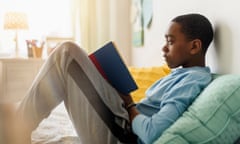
(97, 65)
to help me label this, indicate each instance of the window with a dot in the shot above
(46, 18)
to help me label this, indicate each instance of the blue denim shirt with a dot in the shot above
(167, 99)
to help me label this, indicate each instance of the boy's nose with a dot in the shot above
(165, 48)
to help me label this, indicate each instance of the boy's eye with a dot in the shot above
(169, 42)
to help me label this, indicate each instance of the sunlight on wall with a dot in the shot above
(45, 17)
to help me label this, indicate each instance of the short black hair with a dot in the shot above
(196, 26)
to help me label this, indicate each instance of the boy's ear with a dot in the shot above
(196, 46)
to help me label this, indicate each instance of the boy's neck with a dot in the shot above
(200, 61)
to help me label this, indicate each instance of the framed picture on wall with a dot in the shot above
(52, 42)
(137, 24)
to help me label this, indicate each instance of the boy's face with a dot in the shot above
(177, 47)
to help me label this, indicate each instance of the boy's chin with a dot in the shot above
(172, 66)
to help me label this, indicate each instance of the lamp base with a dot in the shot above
(16, 54)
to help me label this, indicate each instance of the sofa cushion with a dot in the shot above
(145, 77)
(214, 117)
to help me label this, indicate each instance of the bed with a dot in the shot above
(214, 116)
(56, 129)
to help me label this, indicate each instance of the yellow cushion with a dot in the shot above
(145, 77)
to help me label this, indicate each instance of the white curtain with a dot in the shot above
(91, 23)
(96, 22)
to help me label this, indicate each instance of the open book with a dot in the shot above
(112, 67)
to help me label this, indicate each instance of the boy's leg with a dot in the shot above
(54, 84)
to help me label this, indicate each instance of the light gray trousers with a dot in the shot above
(54, 84)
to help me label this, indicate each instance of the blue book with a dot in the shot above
(112, 67)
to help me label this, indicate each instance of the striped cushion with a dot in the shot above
(214, 117)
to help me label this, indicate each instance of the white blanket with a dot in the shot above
(56, 129)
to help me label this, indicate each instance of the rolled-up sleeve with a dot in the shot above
(150, 128)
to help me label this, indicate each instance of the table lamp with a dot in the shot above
(15, 21)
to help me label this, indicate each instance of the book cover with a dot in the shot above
(112, 67)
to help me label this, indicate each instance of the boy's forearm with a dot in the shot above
(132, 112)
(130, 106)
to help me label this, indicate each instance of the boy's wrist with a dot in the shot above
(130, 105)
(132, 111)
(127, 99)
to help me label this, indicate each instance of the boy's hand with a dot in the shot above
(130, 106)
(126, 98)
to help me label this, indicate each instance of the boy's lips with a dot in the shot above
(165, 56)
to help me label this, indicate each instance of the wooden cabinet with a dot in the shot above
(16, 76)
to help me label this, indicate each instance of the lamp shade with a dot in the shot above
(15, 20)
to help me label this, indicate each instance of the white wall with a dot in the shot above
(224, 53)
(120, 31)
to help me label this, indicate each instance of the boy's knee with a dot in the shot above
(69, 47)
(66, 46)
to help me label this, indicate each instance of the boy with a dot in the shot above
(187, 40)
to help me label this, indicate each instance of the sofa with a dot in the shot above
(213, 117)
